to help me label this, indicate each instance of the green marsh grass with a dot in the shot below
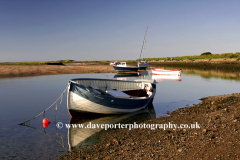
(193, 58)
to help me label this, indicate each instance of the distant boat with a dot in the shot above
(176, 72)
(122, 67)
(141, 63)
(113, 63)
(107, 96)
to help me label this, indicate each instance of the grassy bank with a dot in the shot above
(202, 56)
(227, 66)
(212, 58)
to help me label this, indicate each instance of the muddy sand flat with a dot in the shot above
(37, 70)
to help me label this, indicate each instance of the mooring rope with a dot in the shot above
(57, 139)
(49, 106)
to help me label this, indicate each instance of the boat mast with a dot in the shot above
(143, 45)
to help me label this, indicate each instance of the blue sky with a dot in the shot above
(48, 30)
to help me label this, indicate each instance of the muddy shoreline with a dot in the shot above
(81, 68)
(217, 137)
(38, 70)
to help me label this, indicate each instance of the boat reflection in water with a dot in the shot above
(166, 77)
(124, 76)
(79, 138)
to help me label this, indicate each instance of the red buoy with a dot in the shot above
(45, 121)
(45, 125)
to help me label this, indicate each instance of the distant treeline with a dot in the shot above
(206, 55)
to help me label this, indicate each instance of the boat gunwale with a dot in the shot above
(106, 100)
(131, 98)
(72, 80)
(103, 96)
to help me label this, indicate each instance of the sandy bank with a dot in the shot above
(37, 70)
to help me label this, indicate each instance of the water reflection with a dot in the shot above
(146, 75)
(84, 129)
(166, 77)
(209, 73)
(32, 95)
(214, 73)
(95, 126)
(125, 76)
(55, 137)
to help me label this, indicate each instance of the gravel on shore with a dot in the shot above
(216, 137)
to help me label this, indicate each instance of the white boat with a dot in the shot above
(122, 67)
(107, 96)
(141, 63)
(166, 72)
(113, 63)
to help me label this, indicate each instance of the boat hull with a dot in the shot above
(81, 100)
(166, 72)
(142, 65)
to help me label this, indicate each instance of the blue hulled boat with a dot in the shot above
(122, 67)
(108, 96)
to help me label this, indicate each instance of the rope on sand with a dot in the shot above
(48, 107)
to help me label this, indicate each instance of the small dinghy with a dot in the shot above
(176, 72)
(107, 96)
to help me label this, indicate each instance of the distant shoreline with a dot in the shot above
(184, 59)
(38, 70)
(20, 69)
(200, 64)
(214, 61)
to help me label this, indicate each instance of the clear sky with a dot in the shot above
(48, 30)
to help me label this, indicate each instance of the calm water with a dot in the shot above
(25, 97)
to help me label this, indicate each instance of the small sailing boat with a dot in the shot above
(141, 63)
(122, 67)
